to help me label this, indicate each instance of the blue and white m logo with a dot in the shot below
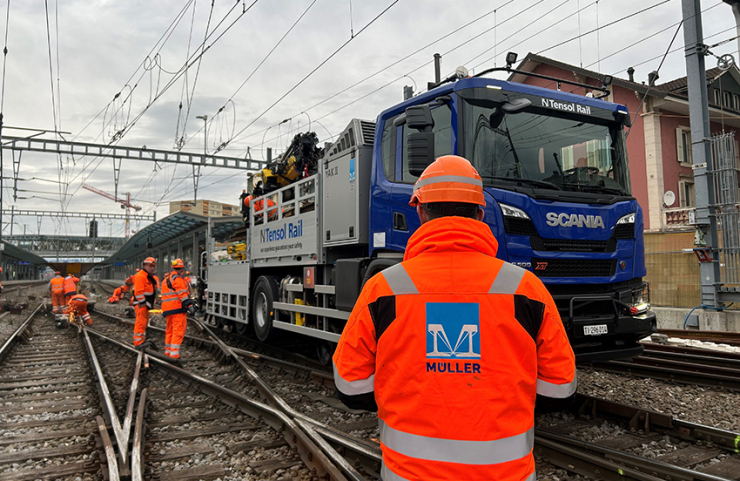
(453, 330)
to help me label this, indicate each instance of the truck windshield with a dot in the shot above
(542, 149)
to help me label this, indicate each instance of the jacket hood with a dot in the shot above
(457, 234)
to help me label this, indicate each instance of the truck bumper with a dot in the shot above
(620, 342)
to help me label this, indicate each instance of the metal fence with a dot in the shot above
(727, 205)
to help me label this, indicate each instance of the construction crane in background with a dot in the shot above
(125, 204)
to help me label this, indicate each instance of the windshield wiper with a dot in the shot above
(594, 188)
(540, 183)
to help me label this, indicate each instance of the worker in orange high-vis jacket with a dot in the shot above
(56, 288)
(78, 304)
(176, 303)
(70, 287)
(130, 284)
(118, 294)
(453, 346)
(145, 295)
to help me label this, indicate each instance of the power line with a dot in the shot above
(317, 67)
(255, 69)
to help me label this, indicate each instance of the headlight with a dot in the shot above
(510, 211)
(640, 300)
(627, 219)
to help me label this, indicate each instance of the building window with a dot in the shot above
(686, 194)
(728, 99)
(736, 101)
(717, 99)
(683, 145)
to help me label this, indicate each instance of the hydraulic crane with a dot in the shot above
(125, 203)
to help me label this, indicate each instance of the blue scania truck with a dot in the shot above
(556, 177)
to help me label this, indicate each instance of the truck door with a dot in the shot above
(403, 216)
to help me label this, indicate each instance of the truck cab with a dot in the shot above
(556, 177)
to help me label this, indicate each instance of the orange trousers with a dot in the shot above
(80, 307)
(142, 320)
(176, 325)
(57, 301)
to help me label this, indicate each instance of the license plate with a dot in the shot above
(596, 330)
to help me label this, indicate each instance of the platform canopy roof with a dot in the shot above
(170, 228)
(22, 255)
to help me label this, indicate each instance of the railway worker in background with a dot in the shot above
(118, 294)
(453, 346)
(1, 286)
(145, 295)
(56, 288)
(78, 304)
(70, 287)
(176, 304)
(130, 284)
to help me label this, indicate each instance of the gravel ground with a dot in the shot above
(10, 322)
(704, 405)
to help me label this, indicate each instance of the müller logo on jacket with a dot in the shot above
(453, 335)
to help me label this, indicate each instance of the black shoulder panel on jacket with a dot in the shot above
(383, 312)
(529, 313)
(364, 401)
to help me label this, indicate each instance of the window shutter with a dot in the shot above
(679, 145)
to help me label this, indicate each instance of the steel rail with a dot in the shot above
(19, 333)
(110, 453)
(732, 338)
(670, 374)
(311, 454)
(702, 358)
(137, 467)
(106, 399)
(649, 420)
(653, 348)
(631, 465)
(279, 403)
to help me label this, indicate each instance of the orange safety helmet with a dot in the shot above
(150, 260)
(450, 178)
(247, 201)
(178, 264)
(57, 273)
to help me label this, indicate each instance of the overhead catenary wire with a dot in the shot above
(308, 75)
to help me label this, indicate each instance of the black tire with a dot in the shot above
(241, 328)
(325, 352)
(265, 293)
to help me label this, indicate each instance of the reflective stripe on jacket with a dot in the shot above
(69, 285)
(56, 284)
(144, 289)
(174, 290)
(454, 345)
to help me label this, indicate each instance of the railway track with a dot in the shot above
(50, 415)
(688, 365)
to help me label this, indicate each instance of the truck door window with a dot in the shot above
(442, 139)
(388, 142)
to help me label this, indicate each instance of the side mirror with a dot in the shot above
(419, 117)
(420, 144)
(420, 151)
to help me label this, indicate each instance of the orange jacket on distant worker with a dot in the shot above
(145, 289)
(56, 285)
(175, 290)
(70, 285)
(454, 345)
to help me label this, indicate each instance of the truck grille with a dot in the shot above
(570, 245)
(624, 231)
(574, 267)
(518, 226)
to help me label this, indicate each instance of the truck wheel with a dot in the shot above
(241, 328)
(265, 292)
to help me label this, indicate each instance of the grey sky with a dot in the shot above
(103, 43)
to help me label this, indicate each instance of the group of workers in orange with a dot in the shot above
(176, 304)
(65, 298)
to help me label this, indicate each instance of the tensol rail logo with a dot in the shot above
(287, 231)
(453, 332)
